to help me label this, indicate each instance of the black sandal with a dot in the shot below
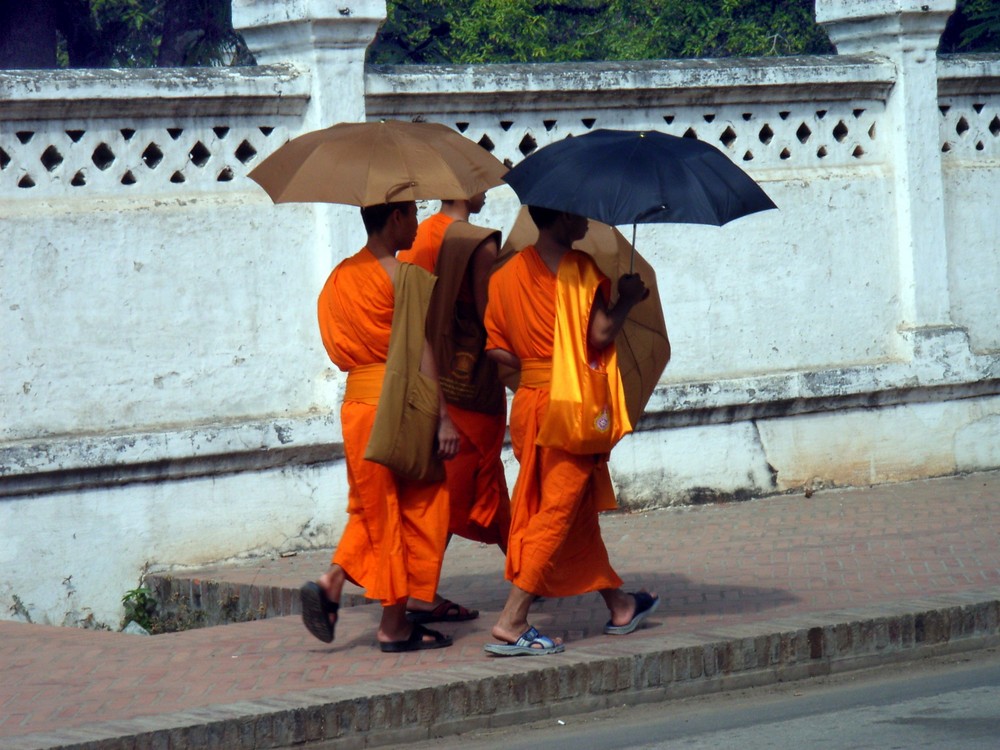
(316, 611)
(416, 641)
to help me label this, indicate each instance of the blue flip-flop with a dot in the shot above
(645, 605)
(531, 643)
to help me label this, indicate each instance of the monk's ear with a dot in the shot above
(396, 216)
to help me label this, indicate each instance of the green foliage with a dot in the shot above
(499, 31)
(414, 30)
(147, 33)
(482, 31)
(140, 607)
(975, 27)
(127, 31)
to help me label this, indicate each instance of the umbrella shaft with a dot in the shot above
(631, 258)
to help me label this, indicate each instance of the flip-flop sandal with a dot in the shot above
(645, 605)
(316, 611)
(446, 611)
(416, 641)
(531, 643)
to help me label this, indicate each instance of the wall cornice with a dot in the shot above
(157, 92)
(65, 463)
(968, 74)
(415, 89)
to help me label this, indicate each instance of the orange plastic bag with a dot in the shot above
(587, 411)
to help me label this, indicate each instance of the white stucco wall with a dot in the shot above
(974, 275)
(68, 558)
(194, 301)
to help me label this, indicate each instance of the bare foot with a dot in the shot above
(507, 634)
(396, 636)
(623, 608)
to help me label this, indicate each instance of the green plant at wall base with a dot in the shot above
(140, 607)
(19, 609)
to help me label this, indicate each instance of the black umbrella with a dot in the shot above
(635, 177)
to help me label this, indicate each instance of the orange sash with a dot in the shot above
(364, 383)
(536, 373)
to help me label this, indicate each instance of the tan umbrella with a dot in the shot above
(642, 345)
(368, 163)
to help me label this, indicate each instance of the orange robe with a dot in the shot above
(396, 532)
(555, 546)
(477, 486)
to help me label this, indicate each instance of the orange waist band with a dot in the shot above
(536, 373)
(364, 383)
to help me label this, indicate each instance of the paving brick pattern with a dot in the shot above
(743, 570)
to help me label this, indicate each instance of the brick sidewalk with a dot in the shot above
(728, 574)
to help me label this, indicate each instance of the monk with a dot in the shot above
(447, 245)
(394, 540)
(555, 547)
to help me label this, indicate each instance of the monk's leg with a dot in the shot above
(332, 582)
(513, 621)
(459, 473)
(563, 478)
(394, 627)
(453, 611)
(492, 495)
(423, 514)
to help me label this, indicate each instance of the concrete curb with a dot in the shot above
(208, 601)
(420, 706)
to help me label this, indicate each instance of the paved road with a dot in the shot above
(951, 702)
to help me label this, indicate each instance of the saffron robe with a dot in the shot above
(396, 532)
(477, 486)
(555, 546)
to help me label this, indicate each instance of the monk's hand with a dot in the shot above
(631, 289)
(448, 438)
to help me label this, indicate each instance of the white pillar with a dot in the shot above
(327, 41)
(907, 32)
(328, 38)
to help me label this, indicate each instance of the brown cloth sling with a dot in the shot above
(468, 377)
(404, 434)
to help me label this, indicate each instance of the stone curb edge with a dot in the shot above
(498, 693)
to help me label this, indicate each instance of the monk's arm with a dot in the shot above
(447, 434)
(505, 358)
(480, 267)
(606, 323)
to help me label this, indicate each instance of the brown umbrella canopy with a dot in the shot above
(642, 345)
(368, 163)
